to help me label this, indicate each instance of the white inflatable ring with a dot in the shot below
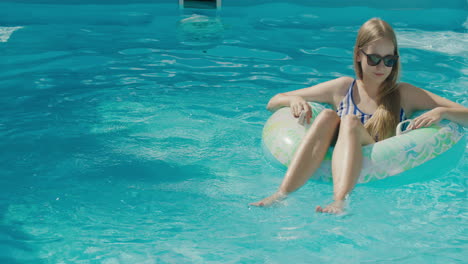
(413, 153)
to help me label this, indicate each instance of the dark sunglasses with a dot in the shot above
(374, 59)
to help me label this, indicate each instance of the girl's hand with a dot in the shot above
(431, 117)
(297, 105)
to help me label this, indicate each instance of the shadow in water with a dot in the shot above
(152, 171)
(14, 242)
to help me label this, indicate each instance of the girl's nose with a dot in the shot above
(381, 65)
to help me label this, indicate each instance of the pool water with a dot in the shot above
(131, 133)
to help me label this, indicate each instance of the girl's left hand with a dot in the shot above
(431, 117)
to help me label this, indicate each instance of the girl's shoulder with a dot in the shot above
(340, 88)
(403, 86)
(343, 84)
(408, 90)
(345, 80)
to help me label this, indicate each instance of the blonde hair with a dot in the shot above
(383, 122)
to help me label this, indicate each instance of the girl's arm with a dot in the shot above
(327, 92)
(414, 99)
(459, 115)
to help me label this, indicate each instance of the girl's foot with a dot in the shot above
(337, 207)
(273, 199)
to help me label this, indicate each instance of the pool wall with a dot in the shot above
(403, 4)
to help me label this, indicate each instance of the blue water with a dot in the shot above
(129, 136)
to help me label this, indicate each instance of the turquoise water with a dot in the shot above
(129, 136)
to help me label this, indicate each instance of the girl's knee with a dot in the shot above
(350, 123)
(351, 126)
(326, 123)
(328, 115)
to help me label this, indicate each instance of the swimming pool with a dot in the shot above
(129, 136)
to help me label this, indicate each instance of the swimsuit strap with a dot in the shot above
(348, 107)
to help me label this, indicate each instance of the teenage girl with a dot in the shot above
(367, 110)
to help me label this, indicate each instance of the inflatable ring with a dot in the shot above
(417, 153)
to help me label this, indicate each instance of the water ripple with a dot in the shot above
(240, 52)
(158, 75)
(137, 51)
(330, 52)
(292, 69)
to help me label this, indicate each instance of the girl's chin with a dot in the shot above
(376, 78)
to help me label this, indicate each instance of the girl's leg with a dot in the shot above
(347, 161)
(308, 156)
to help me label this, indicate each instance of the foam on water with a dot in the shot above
(5, 33)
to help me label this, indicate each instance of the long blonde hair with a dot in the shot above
(383, 122)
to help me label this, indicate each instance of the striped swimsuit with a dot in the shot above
(348, 107)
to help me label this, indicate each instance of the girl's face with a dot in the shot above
(379, 72)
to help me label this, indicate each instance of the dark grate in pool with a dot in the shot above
(200, 4)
